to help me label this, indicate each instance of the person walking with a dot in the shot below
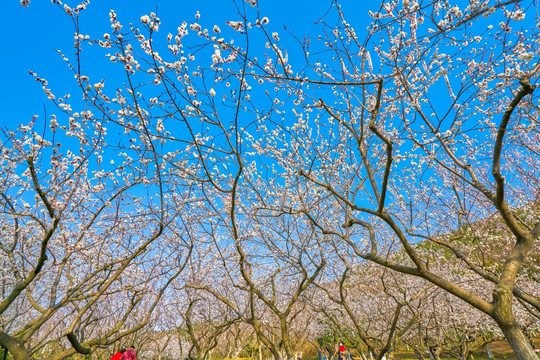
(118, 355)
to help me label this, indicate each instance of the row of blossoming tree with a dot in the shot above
(379, 185)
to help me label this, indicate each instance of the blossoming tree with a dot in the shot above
(427, 126)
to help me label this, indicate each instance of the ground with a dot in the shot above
(500, 349)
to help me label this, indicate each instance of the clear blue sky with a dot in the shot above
(30, 37)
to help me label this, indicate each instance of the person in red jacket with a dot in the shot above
(129, 354)
(118, 355)
(341, 355)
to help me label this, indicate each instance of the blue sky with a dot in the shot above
(32, 35)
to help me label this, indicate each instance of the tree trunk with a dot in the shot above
(435, 352)
(467, 353)
(519, 343)
(489, 352)
(14, 346)
(362, 355)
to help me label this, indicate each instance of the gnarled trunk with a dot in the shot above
(15, 347)
(519, 343)
(503, 300)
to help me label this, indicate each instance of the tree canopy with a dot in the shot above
(375, 183)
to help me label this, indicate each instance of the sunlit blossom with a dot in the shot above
(145, 19)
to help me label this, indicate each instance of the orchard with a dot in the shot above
(266, 180)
